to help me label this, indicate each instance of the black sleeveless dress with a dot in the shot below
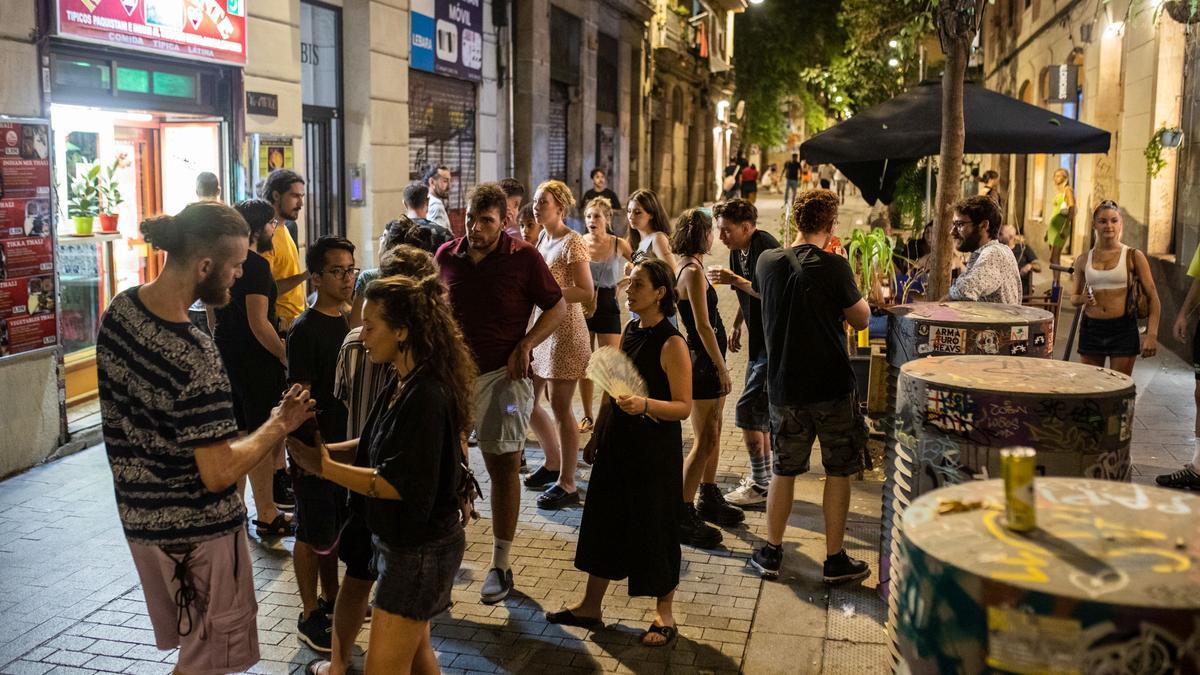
(706, 381)
(630, 525)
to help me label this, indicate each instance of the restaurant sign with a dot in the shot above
(211, 30)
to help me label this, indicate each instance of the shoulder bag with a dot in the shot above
(1137, 302)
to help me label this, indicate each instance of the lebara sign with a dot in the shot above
(447, 37)
(212, 30)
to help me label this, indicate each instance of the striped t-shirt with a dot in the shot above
(163, 393)
(358, 383)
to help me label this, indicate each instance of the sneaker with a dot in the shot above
(840, 568)
(747, 493)
(555, 498)
(711, 506)
(325, 606)
(541, 479)
(586, 425)
(695, 532)
(766, 560)
(281, 489)
(473, 439)
(496, 586)
(1183, 479)
(316, 631)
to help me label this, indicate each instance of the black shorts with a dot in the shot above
(706, 379)
(320, 511)
(838, 424)
(257, 386)
(607, 318)
(1196, 351)
(1109, 337)
(355, 549)
(415, 581)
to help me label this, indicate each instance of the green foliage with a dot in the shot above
(84, 199)
(862, 72)
(776, 42)
(870, 255)
(908, 201)
(109, 188)
(1155, 162)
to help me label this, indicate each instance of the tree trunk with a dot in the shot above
(957, 24)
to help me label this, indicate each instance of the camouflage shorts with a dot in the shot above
(837, 424)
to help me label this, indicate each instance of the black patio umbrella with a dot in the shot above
(876, 146)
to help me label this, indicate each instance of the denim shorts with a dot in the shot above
(837, 424)
(753, 411)
(415, 581)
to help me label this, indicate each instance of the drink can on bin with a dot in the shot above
(1017, 468)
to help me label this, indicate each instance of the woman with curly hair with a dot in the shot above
(409, 464)
(562, 358)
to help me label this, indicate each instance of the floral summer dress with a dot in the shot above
(564, 355)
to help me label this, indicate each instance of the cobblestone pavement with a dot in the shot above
(70, 600)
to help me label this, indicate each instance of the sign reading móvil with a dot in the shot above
(447, 37)
(211, 30)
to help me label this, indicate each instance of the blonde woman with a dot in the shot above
(1062, 222)
(608, 256)
(561, 359)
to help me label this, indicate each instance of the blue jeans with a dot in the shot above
(789, 192)
(753, 411)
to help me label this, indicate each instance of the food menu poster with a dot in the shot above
(27, 280)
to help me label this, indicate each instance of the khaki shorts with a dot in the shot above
(218, 631)
(502, 410)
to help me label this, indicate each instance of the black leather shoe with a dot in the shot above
(711, 506)
(557, 498)
(541, 479)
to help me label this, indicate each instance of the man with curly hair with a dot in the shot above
(808, 295)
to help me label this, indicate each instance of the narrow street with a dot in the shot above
(70, 600)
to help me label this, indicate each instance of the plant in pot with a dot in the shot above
(110, 195)
(83, 202)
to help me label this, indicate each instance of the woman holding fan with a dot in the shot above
(630, 526)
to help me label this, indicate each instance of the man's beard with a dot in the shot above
(482, 244)
(212, 292)
(442, 194)
(969, 244)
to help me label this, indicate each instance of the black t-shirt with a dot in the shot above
(233, 335)
(414, 445)
(1024, 256)
(791, 170)
(312, 350)
(744, 264)
(803, 304)
(607, 193)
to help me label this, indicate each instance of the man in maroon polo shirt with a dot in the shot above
(495, 281)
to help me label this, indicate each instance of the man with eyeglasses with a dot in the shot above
(312, 351)
(991, 274)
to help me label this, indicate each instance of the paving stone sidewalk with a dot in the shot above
(70, 600)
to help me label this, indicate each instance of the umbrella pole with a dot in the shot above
(928, 187)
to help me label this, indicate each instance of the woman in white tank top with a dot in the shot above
(1108, 331)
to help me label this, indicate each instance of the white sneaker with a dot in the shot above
(747, 493)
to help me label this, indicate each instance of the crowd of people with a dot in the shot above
(378, 383)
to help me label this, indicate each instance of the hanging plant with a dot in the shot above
(1183, 11)
(1164, 137)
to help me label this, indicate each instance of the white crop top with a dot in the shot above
(1108, 280)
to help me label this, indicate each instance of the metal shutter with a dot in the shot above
(441, 130)
(560, 98)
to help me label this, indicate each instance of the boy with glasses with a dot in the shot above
(312, 350)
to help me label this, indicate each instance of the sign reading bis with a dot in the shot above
(447, 37)
(210, 30)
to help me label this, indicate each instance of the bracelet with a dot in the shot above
(371, 488)
(646, 409)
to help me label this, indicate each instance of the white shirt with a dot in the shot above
(991, 276)
(437, 212)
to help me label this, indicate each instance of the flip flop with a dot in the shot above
(668, 632)
(566, 617)
(314, 666)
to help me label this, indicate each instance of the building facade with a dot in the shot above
(1119, 66)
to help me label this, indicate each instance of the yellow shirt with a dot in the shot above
(1194, 268)
(285, 263)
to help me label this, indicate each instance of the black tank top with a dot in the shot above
(689, 319)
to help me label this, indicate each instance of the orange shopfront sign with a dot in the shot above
(212, 30)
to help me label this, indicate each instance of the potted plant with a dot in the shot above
(83, 203)
(1183, 11)
(110, 196)
(1163, 137)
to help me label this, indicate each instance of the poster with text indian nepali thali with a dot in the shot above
(27, 280)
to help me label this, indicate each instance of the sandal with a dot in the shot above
(668, 632)
(586, 425)
(566, 617)
(314, 667)
(282, 526)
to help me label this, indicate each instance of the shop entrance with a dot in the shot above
(157, 124)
